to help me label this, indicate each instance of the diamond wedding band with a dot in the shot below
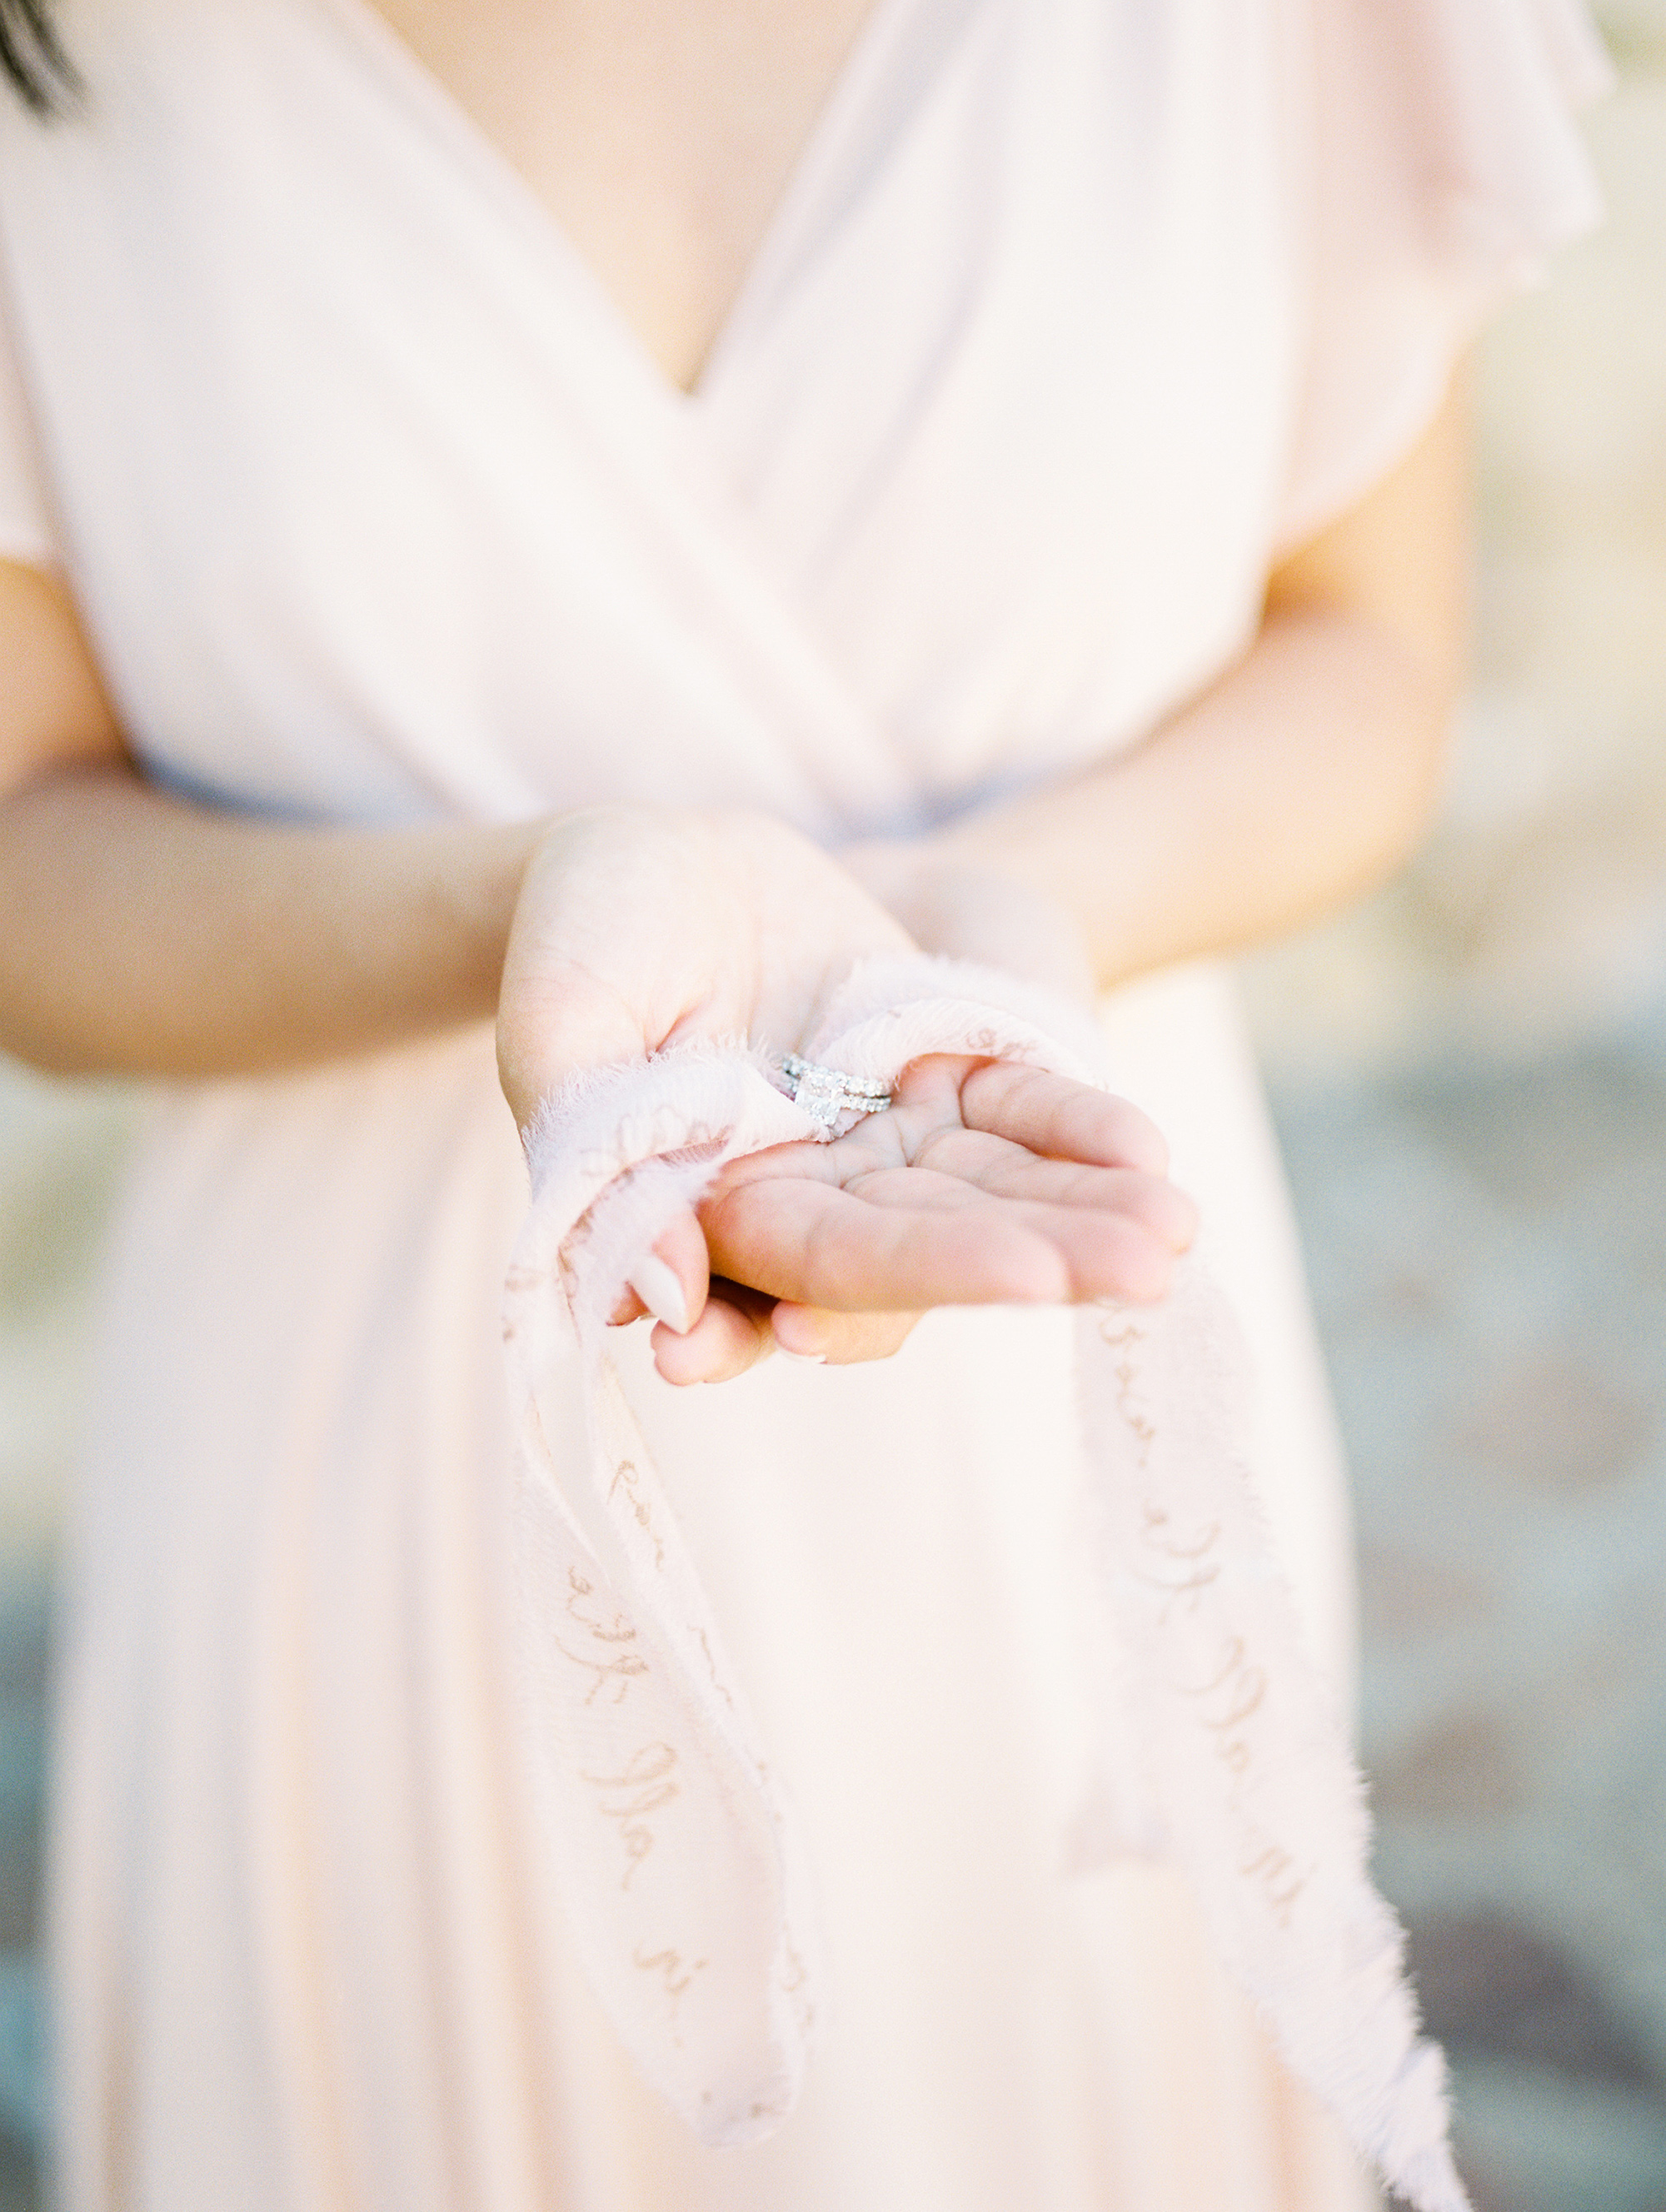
(825, 1094)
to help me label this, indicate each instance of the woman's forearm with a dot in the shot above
(142, 934)
(1299, 780)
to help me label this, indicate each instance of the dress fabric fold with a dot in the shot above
(389, 518)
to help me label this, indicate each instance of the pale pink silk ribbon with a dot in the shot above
(686, 1878)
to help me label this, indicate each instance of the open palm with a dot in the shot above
(983, 1184)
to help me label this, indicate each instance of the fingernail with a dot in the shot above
(804, 1359)
(658, 1288)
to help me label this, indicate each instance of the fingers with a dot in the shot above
(1060, 1119)
(815, 1245)
(967, 1220)
(840, 1340)
(1000, 1170)
(882, 1249)
(731, 1334)
(1107, 1249)
(984, 1184)
(741, 1327)
(712, 1338)
(671, 1280)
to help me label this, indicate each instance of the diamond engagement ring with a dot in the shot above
(824, 1093)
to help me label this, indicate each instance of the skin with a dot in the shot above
(659, 135)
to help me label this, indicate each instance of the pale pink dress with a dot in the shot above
(1076, 312)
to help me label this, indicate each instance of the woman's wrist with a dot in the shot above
(968, 893)
(476, 888)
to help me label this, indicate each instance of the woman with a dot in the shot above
(499, 497)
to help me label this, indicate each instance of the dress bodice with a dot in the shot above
(377, 509)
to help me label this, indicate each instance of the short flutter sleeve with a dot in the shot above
(26, 531)
(1444, 166)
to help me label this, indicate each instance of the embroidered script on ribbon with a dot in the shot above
(685, 1873)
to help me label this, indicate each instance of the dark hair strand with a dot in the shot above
(32, 58)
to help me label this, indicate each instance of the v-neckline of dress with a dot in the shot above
(814, 173)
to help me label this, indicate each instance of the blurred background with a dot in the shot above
(1470, 1074)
